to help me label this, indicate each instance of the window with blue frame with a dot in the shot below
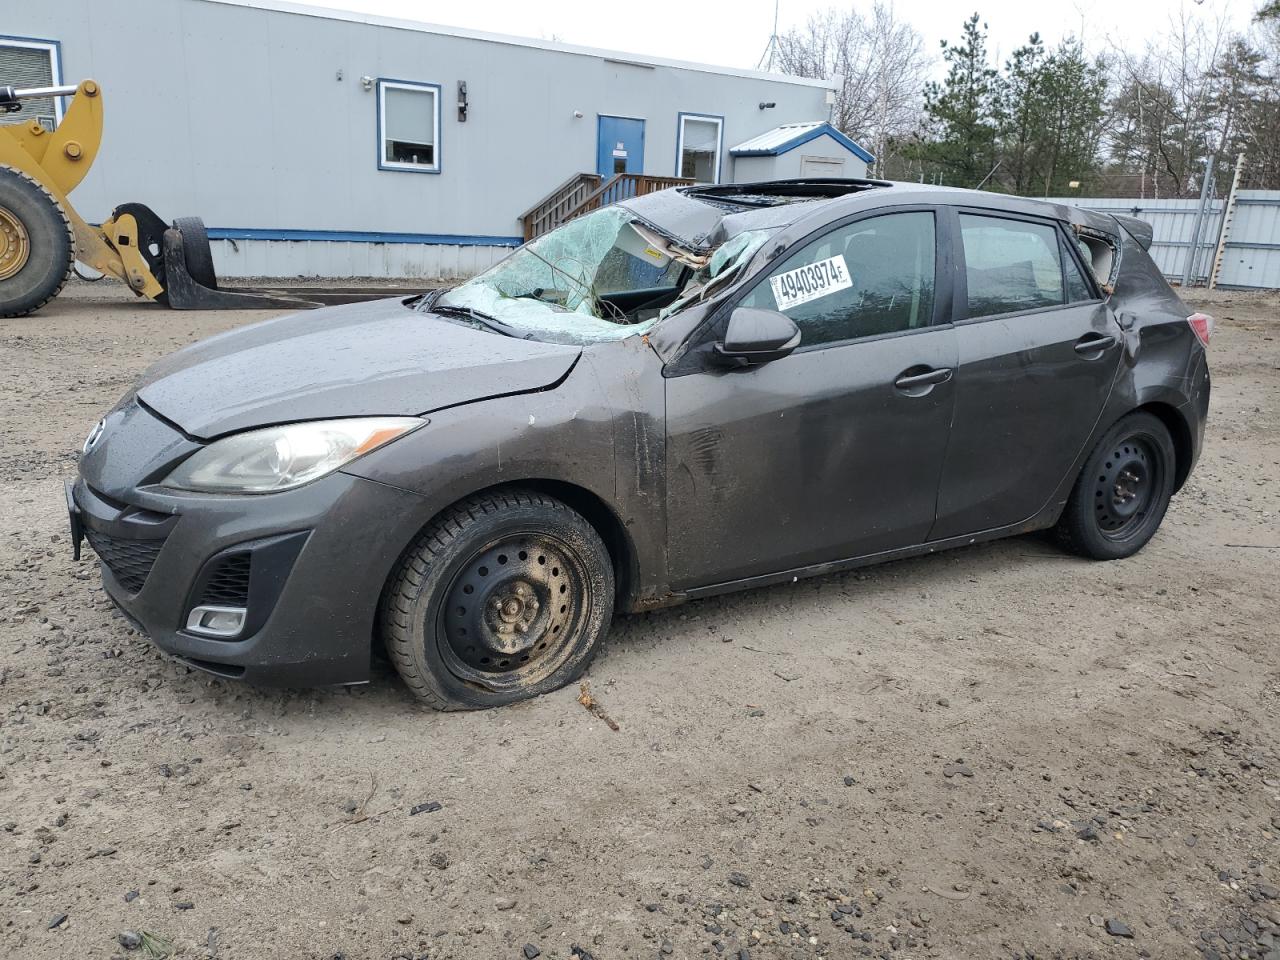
(409, 126)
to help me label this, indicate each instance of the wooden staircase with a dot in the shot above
(584, 192)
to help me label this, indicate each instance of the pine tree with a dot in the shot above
(962, 110)
(1021, 118)
(1073, 92)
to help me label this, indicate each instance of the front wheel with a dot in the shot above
(1123, 490)
(505, 596)
(37, 245)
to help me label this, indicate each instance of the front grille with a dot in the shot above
(128, 560)
(228, 583)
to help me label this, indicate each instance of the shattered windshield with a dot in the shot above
(602, 276)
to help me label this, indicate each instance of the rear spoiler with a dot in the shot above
(1139, 229)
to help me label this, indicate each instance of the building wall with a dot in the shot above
(257, 121)
(353, 258)
(790, 164)
(754, 169)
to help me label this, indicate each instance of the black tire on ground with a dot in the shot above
(30, 215)
(1123, 490)
(195, 244)
(506, 595)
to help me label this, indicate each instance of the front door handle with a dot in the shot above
(1092, 344)
(916, 382)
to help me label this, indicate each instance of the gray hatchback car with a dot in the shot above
(695, 391)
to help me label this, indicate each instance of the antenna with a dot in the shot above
(771, 51)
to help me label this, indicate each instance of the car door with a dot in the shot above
(833, 451)
(1038, 352)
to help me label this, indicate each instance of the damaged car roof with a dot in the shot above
(705, 216)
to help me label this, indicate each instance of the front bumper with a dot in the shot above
(314, 564)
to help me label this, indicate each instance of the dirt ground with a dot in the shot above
(1001, 751)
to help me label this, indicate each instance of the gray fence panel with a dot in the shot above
(1251, 258)
(1252, 254)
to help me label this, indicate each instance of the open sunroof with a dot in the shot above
(772, 193)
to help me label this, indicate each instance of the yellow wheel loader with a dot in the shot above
(42, 236)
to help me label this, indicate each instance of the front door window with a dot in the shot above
(871, 277)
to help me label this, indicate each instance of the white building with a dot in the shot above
(315, 142)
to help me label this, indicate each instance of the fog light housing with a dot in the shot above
(220, 622)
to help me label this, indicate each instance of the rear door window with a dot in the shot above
(870, 277)
(1010, 265)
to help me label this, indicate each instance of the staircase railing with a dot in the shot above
(584, 192)
(549, 212)
(623, 186)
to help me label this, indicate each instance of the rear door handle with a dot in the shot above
(914, 381)
(1094, 343)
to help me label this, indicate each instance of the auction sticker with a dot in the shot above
(810, 282)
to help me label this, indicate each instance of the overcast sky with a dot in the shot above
(708, 33)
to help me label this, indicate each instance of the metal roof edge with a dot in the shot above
(615, 56)
(803, 138)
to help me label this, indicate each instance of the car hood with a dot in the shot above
(366, 359)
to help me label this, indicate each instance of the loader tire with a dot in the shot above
(37, 244)
(195, 245)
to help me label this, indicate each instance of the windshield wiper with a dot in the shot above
(475, 316)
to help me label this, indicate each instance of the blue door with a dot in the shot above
(620, 147)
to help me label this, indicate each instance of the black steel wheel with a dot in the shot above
(505, 596)
(1126, 487)
(37, 244)
(1123, 490)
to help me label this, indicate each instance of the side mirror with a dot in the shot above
(757, 336)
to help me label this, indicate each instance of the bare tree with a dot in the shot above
(1167, 117)
(882, 64)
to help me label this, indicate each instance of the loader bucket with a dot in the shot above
(189, 282)
(187, 274)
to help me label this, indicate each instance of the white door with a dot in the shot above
(821, 167)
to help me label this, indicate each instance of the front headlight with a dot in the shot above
(281, 458)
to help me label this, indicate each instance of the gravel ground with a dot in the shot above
(1001, 751)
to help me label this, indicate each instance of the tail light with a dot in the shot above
(1202, 324)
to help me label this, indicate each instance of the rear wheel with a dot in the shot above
(1123, 491)
(505, 596)
(37, 245)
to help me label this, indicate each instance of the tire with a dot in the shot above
(1123, 490)
(195, 246)
(37, 249)
(506, 595)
